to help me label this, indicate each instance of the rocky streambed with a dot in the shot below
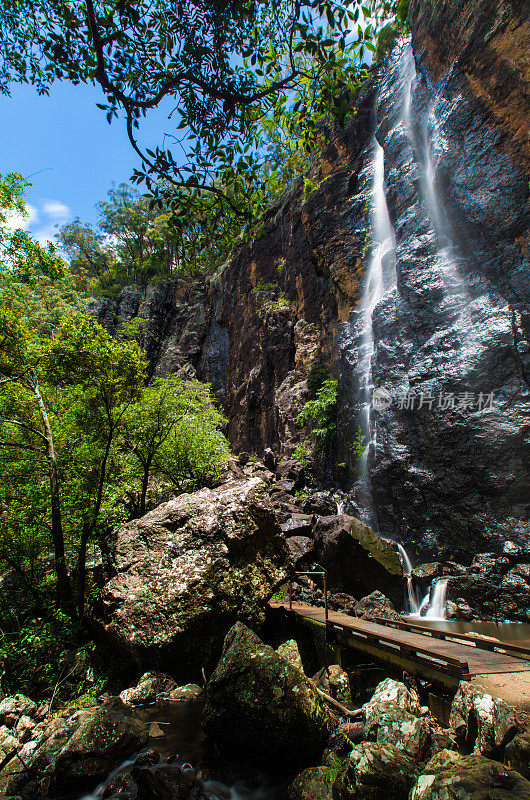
(261, 730)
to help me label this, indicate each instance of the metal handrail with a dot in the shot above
(322, 572)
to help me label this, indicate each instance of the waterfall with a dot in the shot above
(428, 142)
(340, 507)
(413, 605)
(380, 276)
(436, 608)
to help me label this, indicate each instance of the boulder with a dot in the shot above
(301, 548)
(517, 754)
(291, 471)
(357, 560)
(299, 525)
(375, 771)
(451, 776)
(24, 728)
(8, 742)
(148, 688)
(112, 734)
(186, 694)
(375, 605)
(185, 572)
(290, 651)
(12, 708)
(33, 782)
(258, 703)
(391, 692)
(481, 723)
(335, 682)
(393, 716)
(312, 784)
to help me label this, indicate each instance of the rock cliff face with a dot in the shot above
(451, 319)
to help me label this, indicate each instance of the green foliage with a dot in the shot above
(358, 446)
(20, 254)
(331, 770)
(316, 375)
(320, 415)
(231, 72)
(35, 658)
(303, 455)
(269, 296)
(309, 187)
(81, 436)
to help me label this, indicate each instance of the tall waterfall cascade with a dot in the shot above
(426, 140)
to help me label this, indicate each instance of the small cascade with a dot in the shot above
(436, 608)
(433, 604)
(412, 600)
(380, 276)
(341, 505)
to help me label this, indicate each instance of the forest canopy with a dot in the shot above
(219, 70)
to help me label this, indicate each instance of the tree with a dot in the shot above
(173, 433)
(78, 363)
(85, 249)
(217, 67)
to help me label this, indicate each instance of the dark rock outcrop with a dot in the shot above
(186, 571)
(451, 116)
(452, 776)
(375, 772)
(311, 784)
(259, 704)
(374, 606)
(357, 560)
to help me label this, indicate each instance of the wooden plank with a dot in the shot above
(516, 650)
(456, 655)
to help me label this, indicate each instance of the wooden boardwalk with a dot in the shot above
(502, 668)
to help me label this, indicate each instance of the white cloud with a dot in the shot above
(56, 209)
(14, 219)
(46, 234)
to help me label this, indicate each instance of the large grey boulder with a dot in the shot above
(375, 772)
(392, 716)
(75, 751)
(115, 732)
(451, 776)
(260, 704)
(481, 722)
(185, 572)
(357, 560)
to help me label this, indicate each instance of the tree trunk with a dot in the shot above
(145, 483)
(89, 528)
(64, 588)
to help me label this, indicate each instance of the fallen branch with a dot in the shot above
(357, 712)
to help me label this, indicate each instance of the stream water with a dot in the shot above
(185, 746)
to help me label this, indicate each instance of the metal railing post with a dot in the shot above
(326, 598)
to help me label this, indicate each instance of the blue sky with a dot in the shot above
(68, 137)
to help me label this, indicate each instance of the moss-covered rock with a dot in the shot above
(375, 771)
(185, 572)
(115, 732)
(451, 776)
(260, 704)
(392, 716)
(481, 722)
(312, 784)
(517, 754)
